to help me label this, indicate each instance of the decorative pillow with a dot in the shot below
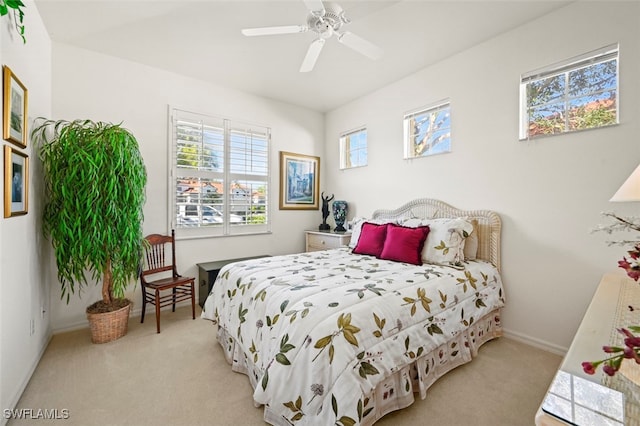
(446, 240)
(404, 244)
(471, 243)
(357, 228)
(371, 240)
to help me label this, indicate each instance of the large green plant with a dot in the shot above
(94, 185)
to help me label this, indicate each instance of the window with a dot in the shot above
(220, 176)
(577, 94)
(427, 131)
(353, 149)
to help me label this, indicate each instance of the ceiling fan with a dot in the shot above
(324, 19)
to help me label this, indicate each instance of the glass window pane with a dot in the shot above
(546, 120)
(580, 93)
(594, 78)
(353, 149)
(428, 131)
(546, 90)
(222, 175)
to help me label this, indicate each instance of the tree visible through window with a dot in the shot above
(221, 176)
(427, 131)
(577, 94)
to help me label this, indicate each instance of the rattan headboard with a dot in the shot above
(489, 224)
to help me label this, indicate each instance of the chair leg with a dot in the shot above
(158, 311)
(173, 308)
(193, 301)
(144, 305)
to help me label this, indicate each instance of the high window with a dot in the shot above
(576, 94)
(220, 176)
(427, 131)
(353, 149)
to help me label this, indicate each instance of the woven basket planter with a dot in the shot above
(109, 326)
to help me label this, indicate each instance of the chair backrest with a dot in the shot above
(156, 259)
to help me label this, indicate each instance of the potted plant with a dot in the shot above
(94, 189)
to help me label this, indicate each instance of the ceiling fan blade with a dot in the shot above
(312, 55)
(315, 6)
(360, 45)
(287, 29)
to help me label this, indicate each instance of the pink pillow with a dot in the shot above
(404, 244)
(371, 239)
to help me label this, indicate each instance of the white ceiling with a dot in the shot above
(202, 39)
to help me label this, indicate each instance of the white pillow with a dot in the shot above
(446, 239)
(471, 243)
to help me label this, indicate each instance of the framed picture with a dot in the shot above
(14, 120)
(299, 181)
(16, 182)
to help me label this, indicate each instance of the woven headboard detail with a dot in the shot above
(489, 224)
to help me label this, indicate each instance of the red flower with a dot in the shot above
(589, 367)
(609, 369)
(635, 253)
(611, 365)
(632, 271)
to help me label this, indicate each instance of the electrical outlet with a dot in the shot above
(32, 329)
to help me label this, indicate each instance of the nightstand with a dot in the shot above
(324, 240)
(208, 272)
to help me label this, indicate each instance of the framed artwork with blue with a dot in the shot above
(299, 181)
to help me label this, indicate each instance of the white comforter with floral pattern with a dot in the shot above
(317, 332)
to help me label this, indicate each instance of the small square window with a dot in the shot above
(427, 131)
(353, 149)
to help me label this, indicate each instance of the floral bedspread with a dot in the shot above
(316, 331)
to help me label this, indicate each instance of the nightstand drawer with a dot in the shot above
(321, 242)
(326, 240)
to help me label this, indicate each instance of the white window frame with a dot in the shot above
(346, 149)
(228, 224)
(563, 69)
(441, 135)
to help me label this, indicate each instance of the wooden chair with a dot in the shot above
(156, 262)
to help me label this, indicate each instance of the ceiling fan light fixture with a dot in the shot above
(325, 19)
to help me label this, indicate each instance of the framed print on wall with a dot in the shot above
(299, 181)
(16, 182)
(14, 120)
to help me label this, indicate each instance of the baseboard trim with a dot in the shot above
(137, 312)
(13, 402)
(536, 343)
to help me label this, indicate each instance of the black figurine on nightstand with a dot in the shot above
(325, 212)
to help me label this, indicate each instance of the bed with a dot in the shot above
(335, 337)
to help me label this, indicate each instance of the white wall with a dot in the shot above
(23, 274)
(100, 87)
(549, 193)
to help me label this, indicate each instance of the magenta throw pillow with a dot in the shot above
(404, 244)
(371, 239)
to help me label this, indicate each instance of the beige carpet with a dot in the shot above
(180, 377)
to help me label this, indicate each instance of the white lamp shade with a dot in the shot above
(630, 189)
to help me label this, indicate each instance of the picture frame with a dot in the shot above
(16, 182)
(299, 181)
(15, 104)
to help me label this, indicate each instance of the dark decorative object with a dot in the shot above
(325, 212)
(340, 215)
